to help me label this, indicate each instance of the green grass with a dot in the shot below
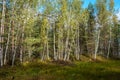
(109, 70)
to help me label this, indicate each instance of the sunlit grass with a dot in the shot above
(109, 70)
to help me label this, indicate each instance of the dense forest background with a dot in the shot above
(56, 30)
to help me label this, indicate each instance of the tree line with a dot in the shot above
(57, 30)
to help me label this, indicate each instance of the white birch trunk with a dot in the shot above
(8, 41)
(97, 44)
(55, 56)
(109, 44)
(2, 31)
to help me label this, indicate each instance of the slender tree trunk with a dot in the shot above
(97, 44)
(55, 56)
(13, 43)
(8, 41)
(21, 48)
(21, 55)
(47, 46)
(15, 46)
(69, 50)
(48, 51)
(66, 46)
(109, 44)
(29, 50)
(2, 31)
(58, 50)
(12, 30)
(43, 53)
(29, 54)
(61, 55)
(14, 52)
(59, 44)
(78, 45)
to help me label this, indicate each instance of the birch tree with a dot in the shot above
(2, 32)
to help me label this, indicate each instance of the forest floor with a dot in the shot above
(78, 70)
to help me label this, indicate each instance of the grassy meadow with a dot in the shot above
(59, 70)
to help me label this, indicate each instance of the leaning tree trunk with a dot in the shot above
(15, 46)
(97, 44)
(7, 45)
(66, 46)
